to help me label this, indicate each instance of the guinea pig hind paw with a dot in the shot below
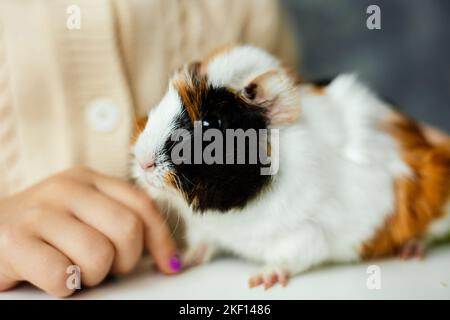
(269, 278)
(413, 249)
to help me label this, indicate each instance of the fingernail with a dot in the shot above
(175, 263)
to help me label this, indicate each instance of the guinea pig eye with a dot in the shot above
(211, 122)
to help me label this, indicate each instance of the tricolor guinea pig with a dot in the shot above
(323, 173)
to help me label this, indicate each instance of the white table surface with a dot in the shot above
(226, 278)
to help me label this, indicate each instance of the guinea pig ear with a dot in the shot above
(275, 91)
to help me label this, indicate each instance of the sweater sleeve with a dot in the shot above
(156, 37)
(267, 26)
(9, 150)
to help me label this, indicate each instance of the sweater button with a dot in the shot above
(103, 115)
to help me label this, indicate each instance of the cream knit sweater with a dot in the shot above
(71, 97)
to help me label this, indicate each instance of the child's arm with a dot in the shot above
(79, 217)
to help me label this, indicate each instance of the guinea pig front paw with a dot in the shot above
(269, 277)
(197, 254)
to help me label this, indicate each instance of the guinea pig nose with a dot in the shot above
(148, 166)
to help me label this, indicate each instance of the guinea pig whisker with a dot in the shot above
(176, 225)
(187, 179)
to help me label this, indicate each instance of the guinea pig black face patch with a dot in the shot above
(217, 157)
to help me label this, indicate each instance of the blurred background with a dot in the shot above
(407, 61)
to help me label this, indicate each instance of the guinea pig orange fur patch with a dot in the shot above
(171, 179)
(317, 90)
(191, 96)
(420, 198)
(138, 128)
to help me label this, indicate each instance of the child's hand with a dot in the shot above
(79, 217)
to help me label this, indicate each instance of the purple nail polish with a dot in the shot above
(175, 263)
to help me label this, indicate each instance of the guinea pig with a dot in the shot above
(343, 177)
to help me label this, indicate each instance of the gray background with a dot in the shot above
(407, 61)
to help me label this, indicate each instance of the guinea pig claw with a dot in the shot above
(283, 279)
(269, 279)
(255, 281)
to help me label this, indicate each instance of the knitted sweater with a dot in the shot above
(70, 96)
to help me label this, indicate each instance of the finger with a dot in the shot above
(6, 282)
(156, 233)
(117, 222)
(83, 245)
(40, 264)
(158, 238)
